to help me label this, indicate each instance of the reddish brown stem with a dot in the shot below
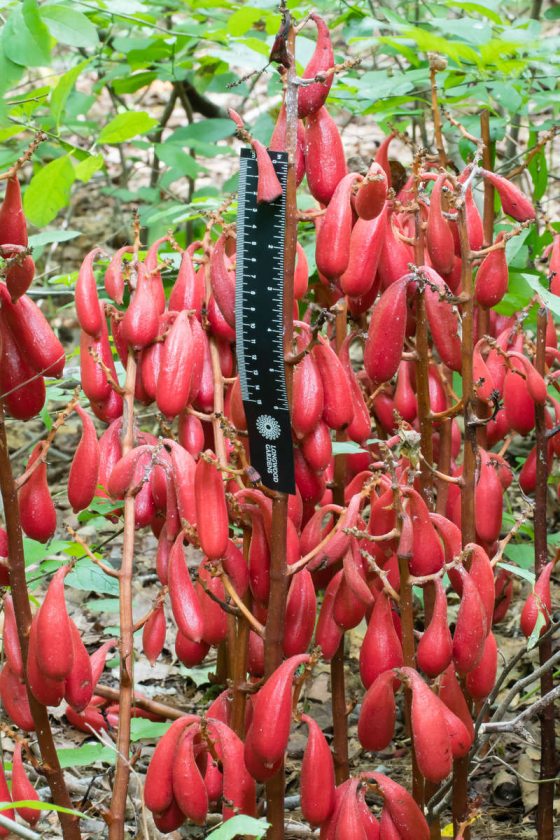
(240, 659)
(126, 638)
(50, 765)
(545, 808)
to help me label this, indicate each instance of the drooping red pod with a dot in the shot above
(475, 228)
(84, 470)
(128, 470)
(482, 574)
(427, 551)
(301, 608)
(385, 340)
(5, 796)
(470, 629)
(432, 744)
(98, 659)
(382, 156)
(114, 275)
(22, 789)
(518, 404)
(15, 701)
(222, 280)
(153, 634)
(78, 685)
(93, 377)
(332, 251)
(175, 374)
(184, 603)
(376, 724)
(158, 788)
(86, 297)
(488, 496)
(20, 270)
(366, 242)
(328, 633)
(238, 786)
(37, 511)
(337, 398)
(188, 289)
(372, 193)
(13, 225)
(492, 277)
(435, 648)
(313, 96)
(317, 447)
(483, 380)
(514, 202)
(47, 691)
(325, 161)
(35, 338)
(211, 509)
(451, 693)
(301, 273)
(405, 396)
(480, 681)
(349, 608)
(183, 469)
(274, 701)
(359, 428)
(317, 782)
(269, 188)
(442, 319)
(188, 652)
(278, 143)
(538, 603)
(55, 649)
(403, 810)
(153, 271)
(439, 238)
(215, 619)
(140, 323)
(23, 392)
(308, 396)
(10, 639)
(189, 790)
(395, 256)
(191, 433)
(381, 648)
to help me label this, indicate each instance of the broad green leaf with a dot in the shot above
(85, 755)
(199, 675)
(130, 84)
(207, 131)
(341, 447)
(88, 167)
(69, 26)
(63, 89)
(89, 577)
(35, 552)
(174, 156)
(10, 73)
(533, 639)
(522, 554)
(48, 191)
(141, 728)
(126, 126)
(242, 20)
(46, 237)
(239, 825)
(26, 39)
(522, 573)
(551, 301)
(538, 170)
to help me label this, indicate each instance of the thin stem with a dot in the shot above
(126, 638)
(50, 764)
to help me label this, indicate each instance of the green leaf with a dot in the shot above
(126, 126)
(85, 755)
(69, 26)
(89, 577)
(40, 806)
(522, 554)
(551, 301)
(538, 170)
(35, 552)
(63, 89)
(238, 825)
(141, 728)
(207, 131)
(342, 447)
(88, 167)
(26, 38)
(522, 573)
(48, 191)
(199, 676)
(130, 84)
(46, 237)
(242, 20)
(533, 639)
(173, 155)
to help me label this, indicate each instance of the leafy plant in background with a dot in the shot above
(387, 504)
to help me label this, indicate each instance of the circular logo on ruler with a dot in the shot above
(268, 427)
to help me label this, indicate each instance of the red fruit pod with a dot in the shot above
(316, 447)
(475, 227)
(55, 646)
(278, 143)
(153, 634)
(387, 328)
(395, 257)
(175, 374)
(359, 428)
(35, 339)
(471, 628)
(432, 744)
(22, 789)
(387, 828)
(317, 782)
(183, 470)
(4, 562)
(222, 280)
(98, 659)
(312, 97)
(269, 187)
(36, 507)
(372, 193)
(492, 277)
(403, 810)
(188, 289)
(382, 156)
(211, 508)
(337, 397)
(191, 434)
(5, 796)
(366, 242)
(439, 238)
(20, 270)
(23, 393)
(47, 691)
(238, 787)
(482, 573)
(188, 652)
(301, 608)
(141, 320)
(349, 825)
(184, 603)
(13, 225)
(155, 286)
(381, 649)
(518, 404)
(538, 604)
(15, 701)
(215, 619)
(84, 470)
(301, 273)
(308, 396)
(93, 377)
(114, 279)
(10, 639)
(404, 397)
(274, 702)
(435, 648)
(332, 251)
(482, 377)
(78, 685)
(170, 820)
(427, 551)
(514, 202)
(86, 297)
(189, 790)
(488, 501)
(325, 162)
(376, 724)
(451, 693)
(443, 320)
(480, 681)
(128, 471)
(158, 788)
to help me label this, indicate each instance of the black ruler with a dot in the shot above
(259, 325)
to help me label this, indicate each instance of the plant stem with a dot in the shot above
(240, 658)
(126, 638)
(545, 808)
(50, 765)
